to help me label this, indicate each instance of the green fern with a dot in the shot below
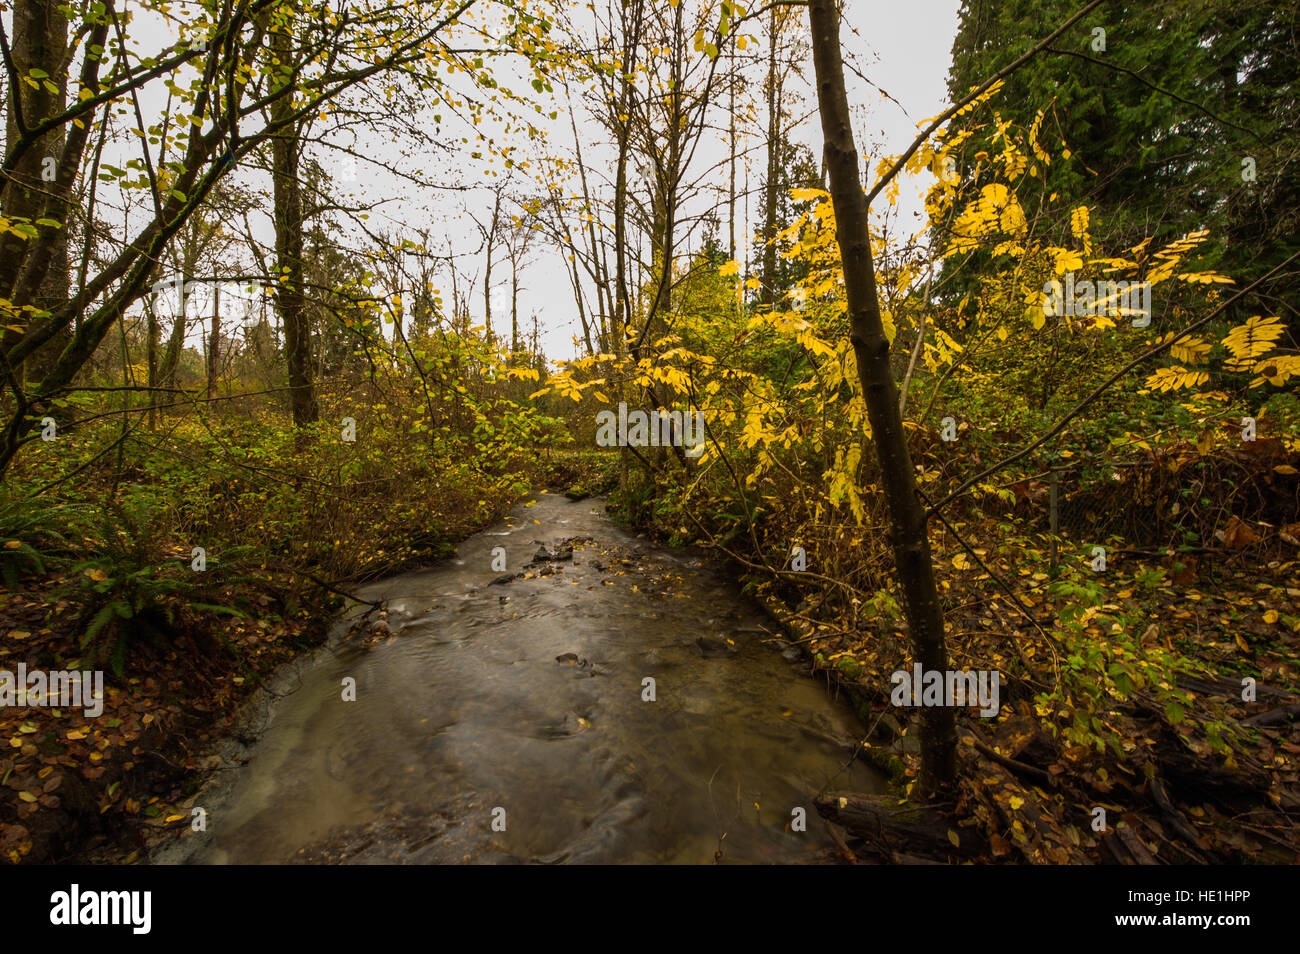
(132, 589)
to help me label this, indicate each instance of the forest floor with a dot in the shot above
(70, 780)
(1198, 775)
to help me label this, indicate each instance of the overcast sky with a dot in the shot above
(901, 48)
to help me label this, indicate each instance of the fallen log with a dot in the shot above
(1273, 716)
(1178, 821)
(1229, 688)
(1141, 854)
(1020, 768)
(896, 830)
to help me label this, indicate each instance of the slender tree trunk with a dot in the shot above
(214, 341)
(907, 516)
(288, 253)
(489, 240)
(768, 294)
(514, 312)
(152, 332)
(731, 157)
(599, 265)
(623, 123)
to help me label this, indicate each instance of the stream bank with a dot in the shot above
(500, 711)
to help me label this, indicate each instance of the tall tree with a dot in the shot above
(907, 535)
(490, 229)
(39, 52)
(286, 148)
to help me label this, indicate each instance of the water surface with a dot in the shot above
(526, 695)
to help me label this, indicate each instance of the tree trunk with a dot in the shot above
(40, 40)
(175, 344)
(514, 313)
(908, 539)
(151, 358)
(214, 341)
(731, 156)
(768, 293)
(288, 254)
(622, 123)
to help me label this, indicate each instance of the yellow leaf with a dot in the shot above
(1016, 802)
(807, 195)
(952, 837)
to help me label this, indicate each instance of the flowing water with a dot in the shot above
(519, 703)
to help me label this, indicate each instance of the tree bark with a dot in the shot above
(768, 294)
(288, 253)
(151, 358)
(214, 341)
(489, 239)
(40, 41)
(908, 538)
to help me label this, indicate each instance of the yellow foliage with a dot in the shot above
(1176, 378)
(1250, 341)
